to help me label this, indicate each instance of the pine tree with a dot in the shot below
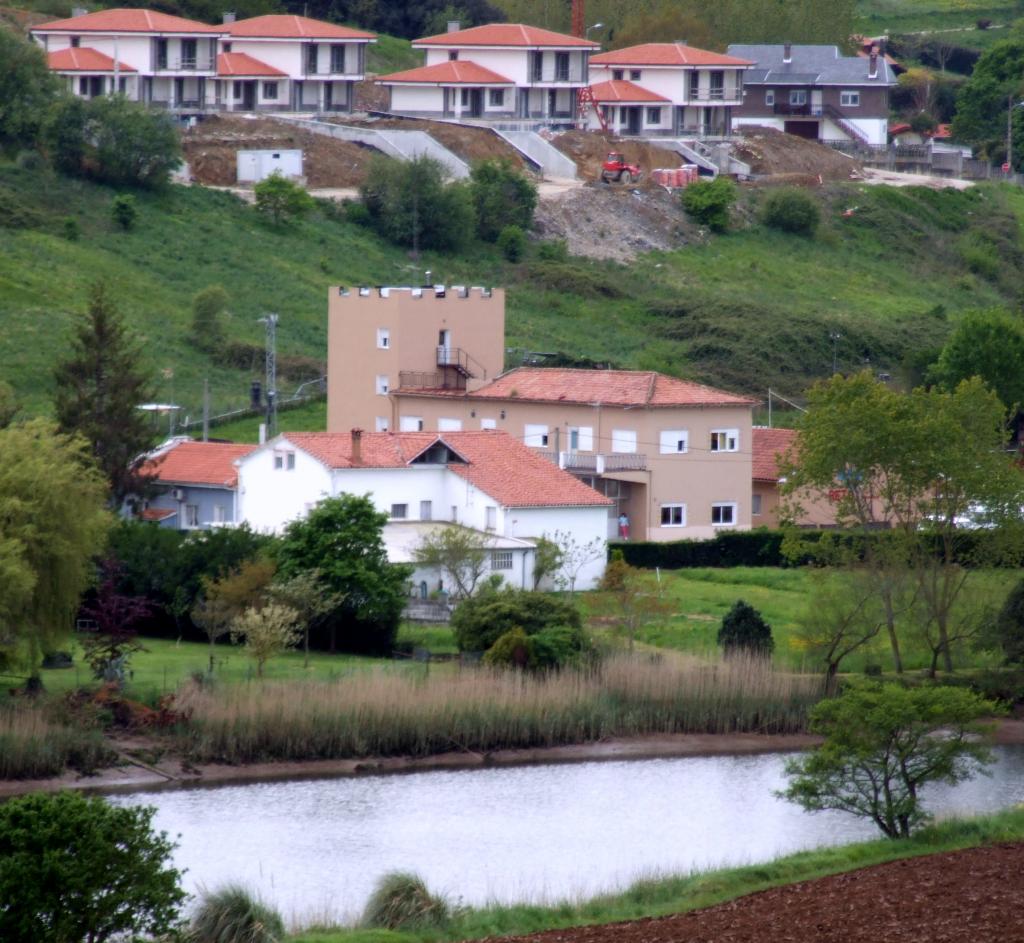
(99, 389)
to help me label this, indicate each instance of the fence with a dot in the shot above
(920, 158)
(308, 392)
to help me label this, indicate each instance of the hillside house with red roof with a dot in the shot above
(264, 63)
(502, 72)
(483, 480)
(667, 89)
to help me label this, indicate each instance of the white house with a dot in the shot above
(667, 88)
(499, 72)
(486, 481)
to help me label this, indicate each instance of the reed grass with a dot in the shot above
(32, 747)
(385, 713)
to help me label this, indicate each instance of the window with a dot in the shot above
(654, 116)
(491, 516)
(623, 440)
(501, 559)
(755, 504)
(383, 338)
(725, 440)
(453, 55)
(161, 53)
(426, 510)
(488, 424)
(381, 424)
(561, 67)
(674, 441)
(496, 98)
(581, 439)
(618, 75)
(849, 99)
(122, 84)
(717, 85)
(284, 461)
(722, 514)
(536, 66)
(382, 384)
(220, 514)
(798, 96)
(76, 41)
(270, 91)
(769, 97)
(536, 436)
(694, 84)
(410, 424)
(673, 515)
(337, 58)
(191, 515)
(226, 47)
(449, 425)
(311, 54)
(634, 75)
(238, 91)
(464, 97)
(83, 85)
(399, 512)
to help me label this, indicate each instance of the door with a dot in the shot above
(802, 129)
(444, 347)
(248, 96)
(476, 102)
(328, 96)
(633, 120)
(816, 101)
(188, 54)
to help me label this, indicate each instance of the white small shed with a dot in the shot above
(254, 166)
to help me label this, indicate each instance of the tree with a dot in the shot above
(709, 201)
(744, 630)
(342, 539)
(124, 211)
(208, 309)
(791, 210)
(99, 389)
(114, 641)
(480, 621)
(574, 556)
(27, 89)
(996, 82)
(281, 199)
(128, 144)
(636, 596)
(306, 594)
(52, 523)
(547, 560)
(412, 203)
(79, 869)
(1009, 625)
(9, 405)
(502, 196)
(266, 632)
(882, 744)
(459, 553)
(64, 134)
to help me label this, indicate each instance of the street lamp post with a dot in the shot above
(586, 32)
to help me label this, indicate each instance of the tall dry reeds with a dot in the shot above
(387, 713)
(32, 747)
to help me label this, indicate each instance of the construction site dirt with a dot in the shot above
(784, 158)
(975, 895)
(589, 148)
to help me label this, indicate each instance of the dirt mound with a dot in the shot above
(212, 145)
(975, 894)
(370, 96)
(771, 152)
(21, 21)
(589, 148)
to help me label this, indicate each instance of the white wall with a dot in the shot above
(585, 524)
(416, 99)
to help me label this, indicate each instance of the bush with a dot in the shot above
(401, 901)
(709, 202)
(281, 199)
(208, 310)
(512, 243)
(358, 214)
(745, 631)
(791, 210)
(123, 211)
(503, 196)
(553, 250)
(70, 229)
(233, 915)
(129, 144)
(1009, 626)
(480, 621)
(73, 868)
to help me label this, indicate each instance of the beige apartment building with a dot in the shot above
(675, 457)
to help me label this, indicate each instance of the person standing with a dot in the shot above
(624, 526)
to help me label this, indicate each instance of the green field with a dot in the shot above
(874, 17)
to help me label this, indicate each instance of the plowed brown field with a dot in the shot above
(973, 896)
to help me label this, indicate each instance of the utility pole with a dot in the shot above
(206, 410)
(836, 337)
(271, 324)
(1009, 134)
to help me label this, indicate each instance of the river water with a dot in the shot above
(315, 848)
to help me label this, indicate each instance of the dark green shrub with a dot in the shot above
(745, 631)
(553, 250)
(791, 210)
(70, 229)
(1009, 626)
(281, 199)
(502, 196)
(481, 620)
(402, 901)
(209, 308)
(358, 214)
(233, 915)
(30, 160)
(709, 202)
(514, 649)
(127, 143)
(512, 243)
(123, 211)
(561, 645)
(575, 278)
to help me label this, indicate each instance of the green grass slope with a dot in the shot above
(747, 310)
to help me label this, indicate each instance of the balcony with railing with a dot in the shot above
(715, 96)
(805, 109)
(332, 62)
(186, 64)
(598, 463)
(550, 73)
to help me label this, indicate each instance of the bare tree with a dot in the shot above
(575, 556)
(307, 594)
(460, 553)
(266, 632)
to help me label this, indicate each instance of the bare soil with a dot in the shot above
(785, 158)
(589, 149)
(211, 151)
(975, 895)
(370, 96)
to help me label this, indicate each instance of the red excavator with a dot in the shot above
(616, 170)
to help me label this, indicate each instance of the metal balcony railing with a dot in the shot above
(187, 64)
(598, 463)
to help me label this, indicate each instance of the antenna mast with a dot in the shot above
(271, 323)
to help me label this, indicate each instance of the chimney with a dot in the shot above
(873, 63)
(787, 53)
(229, 16)
(78, 11)
(454, 26)
(357, 446)
(681, 42)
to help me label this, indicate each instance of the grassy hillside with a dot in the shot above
(747, 310)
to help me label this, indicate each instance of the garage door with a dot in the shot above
(803, 129)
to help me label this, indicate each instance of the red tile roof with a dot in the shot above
(156, 514)
(241, 63)
(665, 54)
(198, 463)
(507, 470)
(289, 26)
(769, 444)
(618, 90)
(505, 34)
(124, 20)
(84, 59)
(608, 387)
(448, 73)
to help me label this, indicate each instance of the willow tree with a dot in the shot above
(52, 524)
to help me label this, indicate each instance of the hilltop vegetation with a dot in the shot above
(748, 309)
